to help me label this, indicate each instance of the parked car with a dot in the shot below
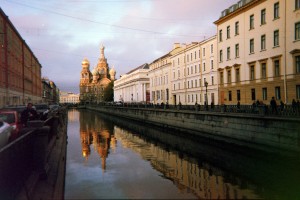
(5, 132)
(12, 117)
(42, 110)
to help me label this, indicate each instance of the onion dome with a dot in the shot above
(95, 71)
(112, 72)
(85, 61)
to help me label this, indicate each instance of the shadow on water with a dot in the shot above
(207, 168)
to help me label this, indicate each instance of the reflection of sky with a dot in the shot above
(126, 174)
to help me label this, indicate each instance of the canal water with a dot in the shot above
(111, 158)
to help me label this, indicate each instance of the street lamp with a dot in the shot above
(206, 99)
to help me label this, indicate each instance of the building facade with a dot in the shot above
(194, 74)
(68, 98)
(93, 84)
(50, 92)
(160, 78)
(133, 87)
(20, 70)
(259, 51)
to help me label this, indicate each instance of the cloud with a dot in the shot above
(63, 33)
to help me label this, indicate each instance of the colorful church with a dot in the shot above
(93, 83)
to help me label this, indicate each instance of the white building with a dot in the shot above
(192, 67)
(69, 97)
(133, 87)
(160, 78)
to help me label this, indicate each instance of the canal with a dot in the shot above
(110, 158)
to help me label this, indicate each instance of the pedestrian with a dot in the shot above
(294, 105)
(238, 105)
(281, 105)
(273, 105)
(28, 114)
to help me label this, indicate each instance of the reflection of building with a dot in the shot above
(94, 131)
(93, 84)
(20, 70)
(133, 86)
(204, 181)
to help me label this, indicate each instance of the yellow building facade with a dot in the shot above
(259, 52)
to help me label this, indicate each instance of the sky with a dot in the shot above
(61, 33)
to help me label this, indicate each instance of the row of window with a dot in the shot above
(262, 22)
(263, 70)
(189, 56)
(264, 94)
(194, 83)
(262, 43)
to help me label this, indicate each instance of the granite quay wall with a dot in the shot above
(27, 161)
(274, 134)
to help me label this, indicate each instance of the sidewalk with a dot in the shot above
(52, 187)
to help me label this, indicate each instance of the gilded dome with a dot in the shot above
(112, 71)
(85, 62)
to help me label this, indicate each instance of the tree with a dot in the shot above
(108, 94)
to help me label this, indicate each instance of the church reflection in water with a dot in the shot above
(93, 130)
(203, 180)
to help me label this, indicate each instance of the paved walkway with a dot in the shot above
(52, 187)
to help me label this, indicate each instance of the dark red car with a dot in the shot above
(12, 117)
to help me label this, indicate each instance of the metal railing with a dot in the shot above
(260, 110)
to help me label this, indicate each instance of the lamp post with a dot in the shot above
(206, 99)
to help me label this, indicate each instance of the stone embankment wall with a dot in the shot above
(265, 133)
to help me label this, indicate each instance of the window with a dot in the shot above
(195, 68)
(220, 35)
(221, 77)
(238, 95)
(204, 67)
(251, 46)
(253, 97)
(221, 55)
(196, 84)
(263, 42)
(229, 76)
(229, 96)
(297, 4)
(263, 70)
(264, 94)
(211, 48)
(237, 50)
(228, 53)
(237, 75)
(228, 32)
(297, 59)
(212, 64)
(276, 10)
(298, 91)
(195, 55)
(276, 68)
(203, 51)
(237, 28)
(251, 22)
(191, 56)
(297, 31)
(252, 73)
(212, 80)
(277, 93)
(276, 38)
(263, 16)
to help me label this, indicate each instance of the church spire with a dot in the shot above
(102, 57)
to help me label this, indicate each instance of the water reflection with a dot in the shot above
(93, 130)
(151, 163)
